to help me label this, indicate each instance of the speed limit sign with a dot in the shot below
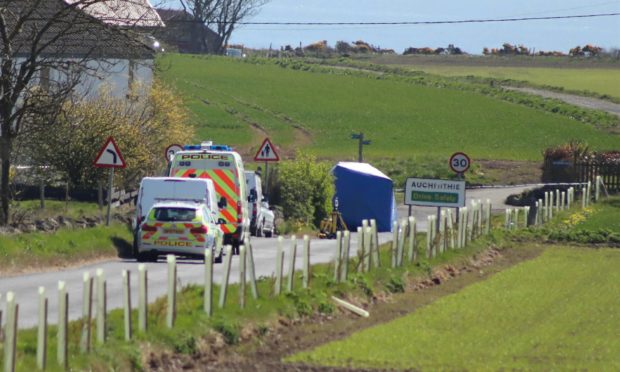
(459, 162)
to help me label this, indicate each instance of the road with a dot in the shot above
(26, 286)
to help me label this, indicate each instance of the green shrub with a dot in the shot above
(304, 189)
(396, 285)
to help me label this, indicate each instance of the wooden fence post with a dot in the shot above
(208, 282)
(346, 247)
(338, 259)
(87, 312)
(583, 198)
(226, 276)
(449, 229)
(10, 332)
(412, 251)
(442, 231)
(376, 260)
(249, 252)
(42, 330)
(127, 304)
(291, 265)
(143, 301)
(487, 228)
(279, 265)
(171, 309)
(242, 278)
(63, 325)
(306, 262)
(394, 243)
(526, 215)
(429, 235)
(361, 247)
(368, 249)
(101, 307)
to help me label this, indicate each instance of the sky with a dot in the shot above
(542, 35)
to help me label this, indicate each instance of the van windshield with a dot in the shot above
(170, 214)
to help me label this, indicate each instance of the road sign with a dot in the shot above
(109, 156)
(171, 150)
(434, 193)
(267, 152)
(459, 162)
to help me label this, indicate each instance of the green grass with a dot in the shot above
(554, 312)
(401, 118)
(606, 215)
(53, 208)
(42, 249)
(604, 81)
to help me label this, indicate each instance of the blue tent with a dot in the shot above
(364, 192)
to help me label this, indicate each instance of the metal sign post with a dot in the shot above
(267, 153)
(109, 157)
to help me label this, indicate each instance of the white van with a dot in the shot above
(156, 189)
(225, 168)
(175, 215)
(261, 217)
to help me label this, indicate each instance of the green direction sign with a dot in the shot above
(434, 193)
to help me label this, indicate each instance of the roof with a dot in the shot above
(130, 13)
(174, 14)
(362, 168)
(178, 204)
(75, 33)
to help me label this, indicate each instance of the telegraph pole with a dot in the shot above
(360, 137)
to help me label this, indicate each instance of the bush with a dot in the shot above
(304, 189)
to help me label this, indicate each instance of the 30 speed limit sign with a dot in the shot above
(459, 162)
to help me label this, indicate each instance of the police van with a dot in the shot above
(224, 167)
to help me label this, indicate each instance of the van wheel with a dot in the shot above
(259, 231)
(219, 257)
(269, 234)
(146, 257)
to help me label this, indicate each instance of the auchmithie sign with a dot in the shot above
(434, 193)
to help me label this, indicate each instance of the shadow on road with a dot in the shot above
(123, 247)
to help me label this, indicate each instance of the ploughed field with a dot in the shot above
(558, 311)
(240, 102)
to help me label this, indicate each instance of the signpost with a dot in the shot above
(171, 150)
(109, 157)
(267, 153)
(460, 163)
(435, 193)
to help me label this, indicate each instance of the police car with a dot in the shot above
(177, 227)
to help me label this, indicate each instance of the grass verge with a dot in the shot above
(38, 250)
(232, 324)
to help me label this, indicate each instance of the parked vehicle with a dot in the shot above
(261, 217)
(177, 227)
(224, 167)
(180, 196)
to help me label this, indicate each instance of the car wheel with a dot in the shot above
(259, 231)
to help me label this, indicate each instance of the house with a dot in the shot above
(182, 32)
(109, 40)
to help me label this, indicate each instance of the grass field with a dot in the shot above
(553, 313)
(598, 80)
(240, 103)
(53, 208)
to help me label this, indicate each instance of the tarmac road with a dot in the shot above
(26, 286)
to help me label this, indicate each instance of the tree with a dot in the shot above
(143, 128)
(36, 74)
(219, 17)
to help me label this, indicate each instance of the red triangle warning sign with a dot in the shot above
(267, 152)
(109, 156)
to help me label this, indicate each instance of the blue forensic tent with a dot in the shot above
(364, 192)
